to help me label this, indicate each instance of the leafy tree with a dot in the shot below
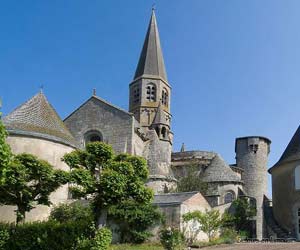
(191, 181)
(240, 215)
(209, 222)
(107, 179)
(5, 152)
(27, 181)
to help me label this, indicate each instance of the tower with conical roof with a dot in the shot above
(149, 101)
(150, 88)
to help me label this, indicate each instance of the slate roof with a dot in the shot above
(292, 151)
(160, 116)
(37, 118)
(151, 62)
(173, 198)
(219, 171)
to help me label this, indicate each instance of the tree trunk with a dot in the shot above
(102, 218)
(20, 216)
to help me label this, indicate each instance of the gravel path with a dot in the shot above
(257, 246)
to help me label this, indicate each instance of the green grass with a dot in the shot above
(149, 246)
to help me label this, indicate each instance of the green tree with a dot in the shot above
(209, 222)
(5, 152)
(191, 181)
(240, 215)
(29, 181)
(108, 179)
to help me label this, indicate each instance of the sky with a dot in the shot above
(233, 65)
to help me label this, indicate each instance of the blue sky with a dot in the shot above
(233, 65)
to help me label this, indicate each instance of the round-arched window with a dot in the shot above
(165, 97)
(93, 136)
(229, 197)
(151, 92)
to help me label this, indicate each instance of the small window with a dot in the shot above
(164, 132)
(229, 197)
(93, 136)
(297, 178)
(136, 94)
(165, 97)
(151, 92)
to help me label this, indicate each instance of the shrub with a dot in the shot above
(229, 235)
(49, 235)
(4, 237)
(75, 211)
(100, 241)
(171, 239)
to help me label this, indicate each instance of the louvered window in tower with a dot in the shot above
(165, 97)
(136, 95)
(151, 93)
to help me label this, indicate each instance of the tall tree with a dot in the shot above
(5, 152)
(28, 181)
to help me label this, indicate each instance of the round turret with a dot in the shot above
(252, 156)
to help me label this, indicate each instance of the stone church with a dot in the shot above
(145, 130)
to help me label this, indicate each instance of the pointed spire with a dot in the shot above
(182, 148)
(160, 117)
(151, 60)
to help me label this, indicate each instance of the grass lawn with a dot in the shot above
(149, 246)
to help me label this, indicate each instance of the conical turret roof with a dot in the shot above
(151, 62)
(219, 171)
(160, 117)
(37, 118)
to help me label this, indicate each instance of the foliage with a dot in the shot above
(27, 181)
(5, 152)
(171, 239)
(145, 246)
(4, 237)
(112, 181)
(75, 211)
(240, 216)
(229, 235)
(209, 222)
(100, 241)
(191, 181)
(134, 220)
(49, 235)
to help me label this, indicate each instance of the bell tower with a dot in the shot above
(150, 91)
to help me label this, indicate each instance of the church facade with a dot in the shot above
(144, 130)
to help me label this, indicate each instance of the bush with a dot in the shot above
(229, 235)
(4, 237)
(49, 235)
(171, 239)
(100, 241)
(75, 211)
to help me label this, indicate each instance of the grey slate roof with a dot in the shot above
(292, 151)
(160, 116)
(219, 171)
(151, 60)
(37, 118)
(173, 198)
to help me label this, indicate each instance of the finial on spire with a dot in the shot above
(153, 6)
(94, 92)
(182, 148)
(41, 88)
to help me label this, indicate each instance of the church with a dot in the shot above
(145, 130)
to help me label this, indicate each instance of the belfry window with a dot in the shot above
(136, 95)
(164, 132)
(229, 197)
(297, 178)
(165, 97)
(151, 93)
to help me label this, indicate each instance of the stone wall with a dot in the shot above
(48, 151)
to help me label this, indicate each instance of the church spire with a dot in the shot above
(151, 62)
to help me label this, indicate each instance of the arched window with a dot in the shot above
(136, 94)
(229, 197)
(93, 136)
(297, 178)
(151, 92)
(164, 132)
(165, 97)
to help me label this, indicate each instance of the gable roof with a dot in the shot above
(173, 198)
(37, 118)
(151, 62)
(160, 116)
(292, 151)
(219, 171)
(103, 101)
